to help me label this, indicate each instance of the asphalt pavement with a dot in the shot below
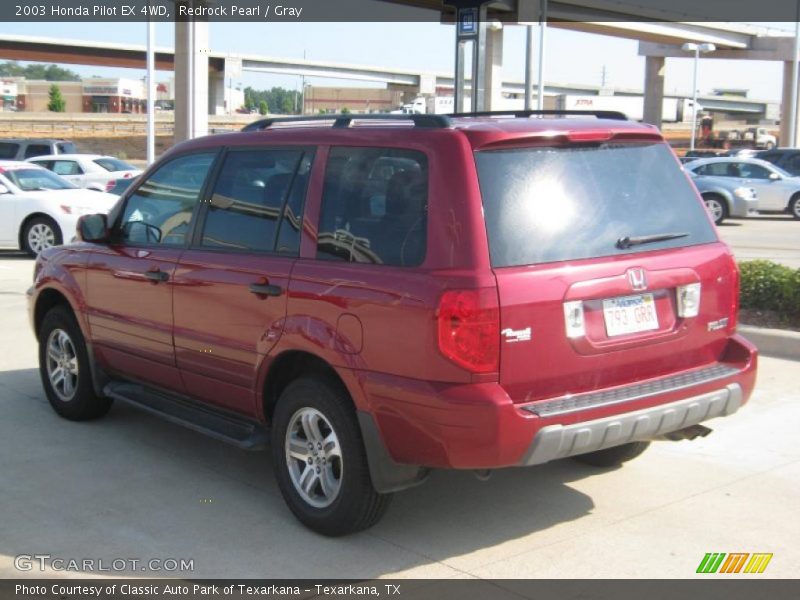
(773, 237)
(132, 487)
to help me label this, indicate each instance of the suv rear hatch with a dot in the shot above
(608, 268)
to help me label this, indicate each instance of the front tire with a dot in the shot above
(64, 368)
(794, 206)
(717, 208)
(320, 461)
(614, 456)
(40, 233)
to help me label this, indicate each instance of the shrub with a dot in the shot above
(766, 285)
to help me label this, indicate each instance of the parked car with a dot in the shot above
(39, 209)
(91, 171)
(424, 292)
(118, 186)
(22, 149)
(725, 198)
(777, 190)
(787, 159)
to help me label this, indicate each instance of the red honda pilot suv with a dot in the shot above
(373, 297)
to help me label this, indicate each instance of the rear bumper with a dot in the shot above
(477, 426)
(560, 441)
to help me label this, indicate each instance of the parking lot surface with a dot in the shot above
(131, 486)
(773, 237)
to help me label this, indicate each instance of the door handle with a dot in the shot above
(156, 276)
(265, 289)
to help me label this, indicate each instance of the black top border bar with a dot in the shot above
(266, 11)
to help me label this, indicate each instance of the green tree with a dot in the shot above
(287, 105)
(56, 103)
(263, 107)
(37, 71)
(345, 110)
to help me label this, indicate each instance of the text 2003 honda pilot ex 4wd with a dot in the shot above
(385, 296)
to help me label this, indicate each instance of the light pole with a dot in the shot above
(697, 49)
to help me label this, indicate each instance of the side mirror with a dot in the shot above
(4, 190)
(774, 176)
(93, 228)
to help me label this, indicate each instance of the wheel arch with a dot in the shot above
(290, 365)
(720, 194)
(28, 219)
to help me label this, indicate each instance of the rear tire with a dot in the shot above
(613, 457)
(320, 462)
(39, 234)
(717, 207)
(64, 368)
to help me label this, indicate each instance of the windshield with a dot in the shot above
(780, 170)
(33, 180)
(114, 164)
(566, 203)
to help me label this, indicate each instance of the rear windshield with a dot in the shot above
(555, 204)
(114, 164)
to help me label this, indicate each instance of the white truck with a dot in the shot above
(675, 110)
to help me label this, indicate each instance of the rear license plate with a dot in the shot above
(630, 314)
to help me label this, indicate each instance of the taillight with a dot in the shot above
(469, 329)
(110, 185)
(689, 300)
(733, 318)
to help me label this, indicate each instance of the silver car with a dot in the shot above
(777, 190)
(725, 198)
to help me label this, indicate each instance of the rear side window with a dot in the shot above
(8, 150)
(253, 190)
(37, 150)
(555, 204)
(66, 167)
(374, 206)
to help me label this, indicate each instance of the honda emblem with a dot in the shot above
(637, 279)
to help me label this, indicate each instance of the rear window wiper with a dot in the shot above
(626, 242)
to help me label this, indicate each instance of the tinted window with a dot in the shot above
(8, 150)
(793, 164)
(753, 171)
(114, 164)
(719, 169)
(292, 224)
(555, 204)
(65, 148)
(66, 167)
(160, 210)
(37, 150)
(249, 198)
(374, 206)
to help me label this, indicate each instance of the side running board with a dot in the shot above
(213, 422)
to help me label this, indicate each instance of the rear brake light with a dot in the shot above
(573, 318)
(689, 300)
(110, 185)
(733, 319)
(469, 329)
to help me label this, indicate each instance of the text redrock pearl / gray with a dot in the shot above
(260, 11)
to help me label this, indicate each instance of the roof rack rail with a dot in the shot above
(520, 114)
(343, 121)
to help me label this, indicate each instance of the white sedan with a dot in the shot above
(39, 209)
(92, 171)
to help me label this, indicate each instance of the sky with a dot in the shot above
(572, 57)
